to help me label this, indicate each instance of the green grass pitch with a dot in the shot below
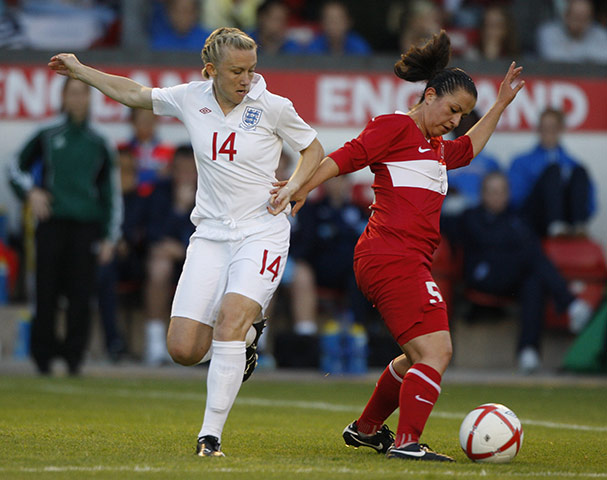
(62, 428)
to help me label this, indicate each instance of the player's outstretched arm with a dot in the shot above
(121, 89)
(479, 134)
(327, 169)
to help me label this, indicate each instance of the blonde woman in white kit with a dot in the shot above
(237, 255)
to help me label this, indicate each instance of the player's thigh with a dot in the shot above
(202, 282)
(405, 294)
(258, 264)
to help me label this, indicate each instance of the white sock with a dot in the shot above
(248, 341)
(579, 312)
(250, 338)
(223, 382)
(155, 342)
(306, 327)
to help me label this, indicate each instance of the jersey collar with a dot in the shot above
(258, 85)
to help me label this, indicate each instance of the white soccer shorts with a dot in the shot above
(252, 267)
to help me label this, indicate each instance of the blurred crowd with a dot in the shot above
(495, 219)
(556, 30)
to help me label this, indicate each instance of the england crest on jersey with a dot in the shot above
(250, 118)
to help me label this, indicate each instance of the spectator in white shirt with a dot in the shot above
(576, 38)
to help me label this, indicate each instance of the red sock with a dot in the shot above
(382, 403)
(418, 394)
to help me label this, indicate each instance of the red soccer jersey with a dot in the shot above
(410, 183)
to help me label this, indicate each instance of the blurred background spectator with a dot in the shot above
(502, 256)
(61, 24)
(575, 38)
(552, 190)
(527, 15)
(322, 247)
(168, 233)
(229, 13)
(336, 36)
(418, 22)
(497, 36)
(176, 26)
(70, 179)
(152, 157)
(271, 33)
(126, 270)
(465, 183)
(11, 32)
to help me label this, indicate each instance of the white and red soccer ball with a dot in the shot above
(491, 433)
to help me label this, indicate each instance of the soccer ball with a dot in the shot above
(491, 433)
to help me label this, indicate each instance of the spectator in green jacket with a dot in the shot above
(68, 176)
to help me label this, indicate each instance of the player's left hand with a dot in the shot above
(507, 90)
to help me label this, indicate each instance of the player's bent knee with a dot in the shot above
(183, 354)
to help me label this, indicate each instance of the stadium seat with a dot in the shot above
(488, 299)
(10, 259)
(582, 262)
(332, 302)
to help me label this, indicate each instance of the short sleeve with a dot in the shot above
(458, 152)
(169, 101)
(370, 146)
(291, 128)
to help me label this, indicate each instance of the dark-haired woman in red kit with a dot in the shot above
(393, 257)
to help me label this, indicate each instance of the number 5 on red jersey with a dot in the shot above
(435, 292)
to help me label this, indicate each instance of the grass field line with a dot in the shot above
(466, 473)
(273, 403)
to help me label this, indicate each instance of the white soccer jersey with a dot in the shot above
(236, 154)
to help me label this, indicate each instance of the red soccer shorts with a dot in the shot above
(405, 294)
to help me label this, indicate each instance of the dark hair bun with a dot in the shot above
(422, 63)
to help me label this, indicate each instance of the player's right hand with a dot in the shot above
(298, 197)
(64, 64)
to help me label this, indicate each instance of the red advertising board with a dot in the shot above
(327, 99)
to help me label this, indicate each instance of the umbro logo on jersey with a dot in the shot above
(423, 150)
(205, 110)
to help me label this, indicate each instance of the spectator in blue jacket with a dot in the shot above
(322, 245)
(503, 256)
(177, 26)
(552, 190)
(271, 33)
(465, 183)
(336, 36)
